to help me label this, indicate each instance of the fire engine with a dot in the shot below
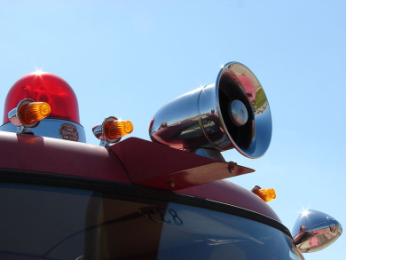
(61, 198)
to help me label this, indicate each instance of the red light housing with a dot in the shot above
(44, 87)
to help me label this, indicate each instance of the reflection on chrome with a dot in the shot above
(232, 113)
(314, 231)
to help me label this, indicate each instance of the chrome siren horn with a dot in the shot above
(232, 113)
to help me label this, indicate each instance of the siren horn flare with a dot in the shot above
(232, 113)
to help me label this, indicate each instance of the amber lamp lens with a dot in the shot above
(117, 129)
(266, 194)
(33, 112)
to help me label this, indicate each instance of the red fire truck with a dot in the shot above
(61, 198)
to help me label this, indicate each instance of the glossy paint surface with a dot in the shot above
(134, 161)
(44, 87)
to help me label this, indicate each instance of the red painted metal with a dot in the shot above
(27, 153)
(155, 165)
(232, 194)
(133, 161)
(48, 88)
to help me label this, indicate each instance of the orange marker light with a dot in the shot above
(116, 129)
(33, 112)
(112, 130)
(266, 194)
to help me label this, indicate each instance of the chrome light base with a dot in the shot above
(55, 128)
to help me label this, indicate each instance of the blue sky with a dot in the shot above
(128, 58)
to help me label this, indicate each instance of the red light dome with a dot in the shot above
(44, 87)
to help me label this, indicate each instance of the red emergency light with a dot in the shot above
(64, 119)
(44, 87)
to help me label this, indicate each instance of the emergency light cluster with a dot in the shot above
(44, 104)
(232, 113)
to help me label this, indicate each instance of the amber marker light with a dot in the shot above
(117, 129)
(266, 194)
(28, 113)
(33, 112)
(112, 130)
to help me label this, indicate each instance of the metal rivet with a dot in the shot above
(231, 166)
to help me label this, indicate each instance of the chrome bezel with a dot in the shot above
(265, 124)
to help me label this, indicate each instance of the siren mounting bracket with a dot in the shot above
(158, 166)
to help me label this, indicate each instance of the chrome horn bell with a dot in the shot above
(232, 113)
(314, 231)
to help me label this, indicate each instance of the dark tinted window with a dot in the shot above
(197, 233)
(33, 220)
(39, 222)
